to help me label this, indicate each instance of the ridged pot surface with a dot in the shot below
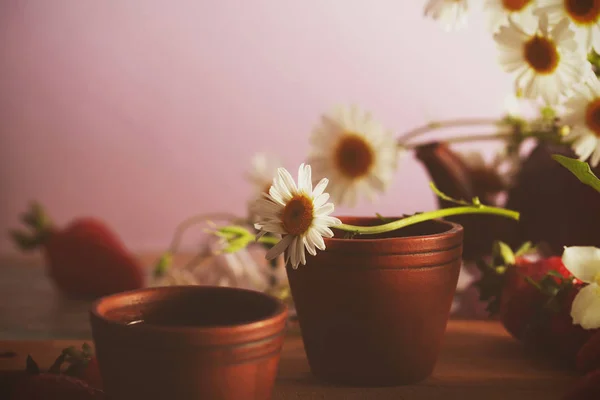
(194, 342)
(373, 310)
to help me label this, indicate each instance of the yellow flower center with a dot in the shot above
(592, 116)
(297, 215)
(515, 5)
(583, 12)
(353, 156)
(541, 54)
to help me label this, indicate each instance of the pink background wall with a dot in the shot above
(146, 111)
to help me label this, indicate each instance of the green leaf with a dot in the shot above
(235, 245)
(87, 349)
(555, 273)
(531, 281)
(163, 264)
(580, 169)
(444, 196)
(23, 240)
(384, 219)
(505, 252)
(524, 249)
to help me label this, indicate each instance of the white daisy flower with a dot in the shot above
(452, 14)
(357, 153)
(582, 116)
(515, 106)
(520, 11)
(584, 263)
(263, 169)
(546, 62)
(299, 213)
(583, 14)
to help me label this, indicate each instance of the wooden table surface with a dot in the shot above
(479, 360)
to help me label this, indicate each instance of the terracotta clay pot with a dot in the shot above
(373, 309)
(188, 342)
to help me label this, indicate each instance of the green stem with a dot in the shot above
(194, 220)
(164, 262)
(414, 219)
(239, 237)
(268, 240)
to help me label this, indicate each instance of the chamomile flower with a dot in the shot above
(546, 61)
(263, 168)
(357, 153)
(299, 213)
(520, 11)
(582, 116)
(583, 14)
(452, 14)
(584, 263)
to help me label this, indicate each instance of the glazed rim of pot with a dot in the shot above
(431, 235)
(266, 321)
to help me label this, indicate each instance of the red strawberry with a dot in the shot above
(85, 259)
(555, 264)
(586, 388)
(34, 384)
(55, 386)
(567, 338)
(522, 300)
(9, 380)
(588, 357)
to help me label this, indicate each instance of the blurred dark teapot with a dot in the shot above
(556, 208)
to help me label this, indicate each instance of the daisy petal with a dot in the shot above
(279, 248)
(321, 200)
(316, 240)
(300, 254)
(304, 179)
(582, 261)
(286, 179)
(310, 246)
(452, 14)
(320, 188)
(585, 310)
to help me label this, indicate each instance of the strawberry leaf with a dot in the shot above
(531, 281)
(77, 359)
(524, 249)
(504, 252)
(31, 366)
(55, 368)
(23, 240)
(490, 285)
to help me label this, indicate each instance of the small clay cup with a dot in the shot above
(188, 342)
(373, 309)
